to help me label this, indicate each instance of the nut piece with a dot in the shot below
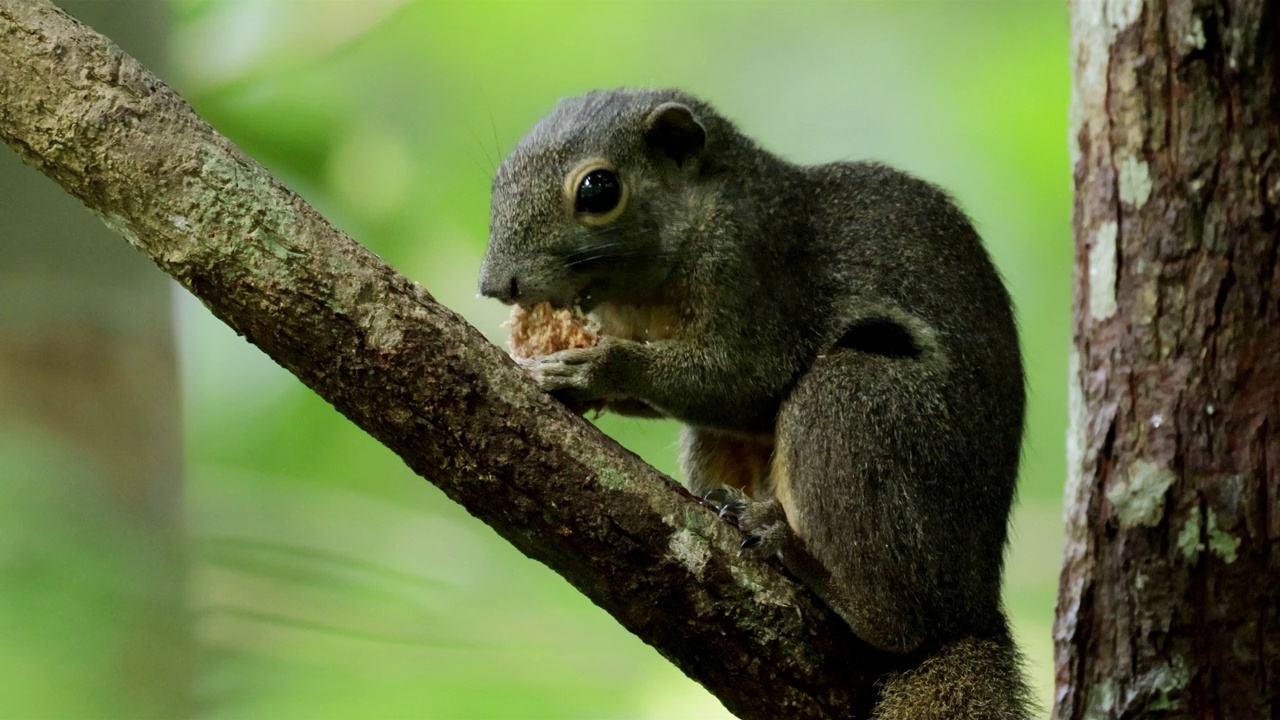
(542, 330)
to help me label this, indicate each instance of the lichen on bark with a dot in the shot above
(1167, 603)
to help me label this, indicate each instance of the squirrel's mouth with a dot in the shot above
(588, 297)
(582, 298)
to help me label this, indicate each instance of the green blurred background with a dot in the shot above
(292, 567)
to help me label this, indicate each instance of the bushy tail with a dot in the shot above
(970, 679)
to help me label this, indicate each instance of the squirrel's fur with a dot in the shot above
(835, 339)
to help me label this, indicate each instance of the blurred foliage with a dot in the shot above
(327, 580)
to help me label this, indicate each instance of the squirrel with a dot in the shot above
(837, 342)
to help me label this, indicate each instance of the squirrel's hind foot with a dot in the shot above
(763, 521)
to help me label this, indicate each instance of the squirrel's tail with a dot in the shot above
(970, 679)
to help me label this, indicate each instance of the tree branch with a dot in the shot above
(418, 377)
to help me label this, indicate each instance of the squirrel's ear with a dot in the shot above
(671, 130)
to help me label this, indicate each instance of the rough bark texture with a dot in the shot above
(417, 377)
(1170, 593)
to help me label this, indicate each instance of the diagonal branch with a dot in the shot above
(416, 376)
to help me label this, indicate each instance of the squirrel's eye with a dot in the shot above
(599, 191)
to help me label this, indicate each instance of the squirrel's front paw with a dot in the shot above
(764, 522)
(570, 375)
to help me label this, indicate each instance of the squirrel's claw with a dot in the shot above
(764, 522)
(716, 497)
(730, 503)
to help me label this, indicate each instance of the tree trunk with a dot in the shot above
(1170, 593)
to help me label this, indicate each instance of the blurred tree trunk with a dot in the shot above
(1170, 592)
(92, 618)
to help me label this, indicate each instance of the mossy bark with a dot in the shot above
(417, 377)
(1169, 603)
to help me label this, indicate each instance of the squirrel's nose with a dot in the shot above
(500, 287)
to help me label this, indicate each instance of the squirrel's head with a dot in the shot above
(592, 203)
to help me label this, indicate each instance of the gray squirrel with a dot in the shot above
(835, 339)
